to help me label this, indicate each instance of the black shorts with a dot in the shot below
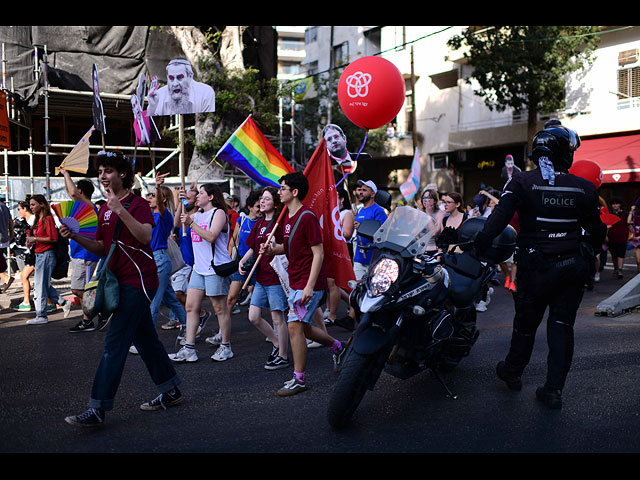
(618, 250)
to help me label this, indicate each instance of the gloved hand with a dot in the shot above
(482, 241)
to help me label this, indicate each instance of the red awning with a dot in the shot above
(618, 157)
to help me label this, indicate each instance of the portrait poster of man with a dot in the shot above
(182, 94)
(98, 111)
(509, 168)
(342, 162)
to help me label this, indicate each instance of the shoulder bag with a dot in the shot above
(103, 294)
(224, 269)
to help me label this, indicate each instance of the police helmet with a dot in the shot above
(557, 143)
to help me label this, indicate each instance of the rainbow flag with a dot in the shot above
(250, 151)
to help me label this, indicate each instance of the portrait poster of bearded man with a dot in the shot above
(182, 94)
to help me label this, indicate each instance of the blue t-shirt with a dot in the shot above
(186, 247)
(246, 224)
(372, 212)
(162, 230)
(76, 251)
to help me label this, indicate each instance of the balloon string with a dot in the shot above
(358, 155)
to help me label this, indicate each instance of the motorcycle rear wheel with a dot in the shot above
(353, 382)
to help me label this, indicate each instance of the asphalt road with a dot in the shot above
(231, 407)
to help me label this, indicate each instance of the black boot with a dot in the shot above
(512, 381)
(550, 397)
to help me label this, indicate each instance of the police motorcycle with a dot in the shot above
(414, 311)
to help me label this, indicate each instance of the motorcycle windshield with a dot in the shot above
(408, 228)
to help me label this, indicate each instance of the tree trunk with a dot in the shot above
(532, 129)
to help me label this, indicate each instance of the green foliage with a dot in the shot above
(525, 67)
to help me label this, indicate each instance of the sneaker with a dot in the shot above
(326, 313)
(94, 417)
(313, 344)
(507, 283)
(550, 397)
(512, 381)
(204, 318)
(223, 353)
(292, 387)
(275, 352)
(481, 306)
(8, 284)
(83, 326)
(246, 300)
(163, 401)
(596, 277)
(66, 308)
(277, 363)
(24, 307)
(184, 355)
(489, 293)
(338, 357)
(236, 309)
(103, 322)
(51, 308)
(170, 325)
(215, 340)
(512, 287)
(38, 321)
(133, 350)
(619, 273)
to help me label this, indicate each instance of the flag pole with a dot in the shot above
(270, 236)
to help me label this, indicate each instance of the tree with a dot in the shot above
(525, 68)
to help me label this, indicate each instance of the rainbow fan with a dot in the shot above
(80, 217)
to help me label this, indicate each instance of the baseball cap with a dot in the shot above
(369, 184)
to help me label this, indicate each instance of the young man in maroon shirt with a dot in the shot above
(302, 244)
(134, 266)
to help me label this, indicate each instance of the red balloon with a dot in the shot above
(589, 170)
(371, 92)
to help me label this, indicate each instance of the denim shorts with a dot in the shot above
(213, 285)
(311, 306)
(238, 277)
(269, 296)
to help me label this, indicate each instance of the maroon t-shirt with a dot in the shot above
(308, 234)
(266, 275)
(121, 265)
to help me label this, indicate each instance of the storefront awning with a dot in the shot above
(618, 157)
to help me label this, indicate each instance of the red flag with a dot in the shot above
(323, 200)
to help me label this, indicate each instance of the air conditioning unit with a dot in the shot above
(628, 56)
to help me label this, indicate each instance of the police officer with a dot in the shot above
(553, 255)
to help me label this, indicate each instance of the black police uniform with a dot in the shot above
(552, 260)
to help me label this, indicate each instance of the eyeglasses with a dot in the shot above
(282, 189)
(449, 201)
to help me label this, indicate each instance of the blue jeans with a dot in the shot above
(43, 290)
(165, 293)
(131, 324)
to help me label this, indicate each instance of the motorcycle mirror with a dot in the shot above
(368, 228)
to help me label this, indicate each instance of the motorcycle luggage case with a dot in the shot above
(465, 273)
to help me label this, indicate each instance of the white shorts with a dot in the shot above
(180, 279)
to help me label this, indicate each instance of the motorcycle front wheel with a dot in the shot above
(353, 381)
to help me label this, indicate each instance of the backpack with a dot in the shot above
(61, 250)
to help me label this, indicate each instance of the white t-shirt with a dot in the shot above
(202, 251)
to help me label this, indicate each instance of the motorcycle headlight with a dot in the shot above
(383, 275)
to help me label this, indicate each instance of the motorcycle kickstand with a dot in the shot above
(444, 385)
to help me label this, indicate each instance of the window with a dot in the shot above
(439, 161)
(341, 54)
(628, 83)
(311, 35)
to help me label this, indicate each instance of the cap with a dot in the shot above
(369, 184)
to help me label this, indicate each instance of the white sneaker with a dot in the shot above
(215, 340)
(133, 350)
(596, 278)
(313, 344)
(223, 353)
(38, 321)
(489, 293)
(184, 355)
(481, 306)
(66, 308)
(247, 300)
